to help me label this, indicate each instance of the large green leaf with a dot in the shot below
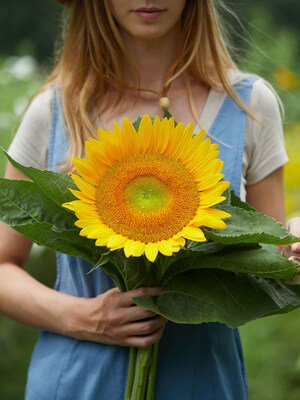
(53, 184)
(64, 241)
(265, 262)
(237, 202)
(26, 208)
(250, 227)
(23, 202)
(227, 297)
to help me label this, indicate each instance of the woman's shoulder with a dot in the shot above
(263, 98)
(30, 144)
(40, 107)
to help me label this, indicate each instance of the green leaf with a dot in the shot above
(22, 202)
(104, 259)
(53, 184)
(112, 268)
(64, 241)
(26, 208)
(227, 297)
(250, 227)
(204, 247)
(136, 272)
(167, 113)
(136, 123)
(262, 262)
(227, 200)
(237, 202)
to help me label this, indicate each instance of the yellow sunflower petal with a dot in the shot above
(208, 222)
(199, 167)
(86, 171)
(82, 196)
(81, 207)
(116, 241)
(69, 206)
(174, 147)
(193, 233)
(86, 188)
(103, 240)
(132, 142)
(212, 196)
(162, 133)
(134, 248)
(213, 169)
(213, 213)
(96, 154)
(145, 134)
(165, 247)
(96, 231)
(151, 251)
(209, 182)
(180, 240)
(193, 146)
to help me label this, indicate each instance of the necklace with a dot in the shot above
(164, 102)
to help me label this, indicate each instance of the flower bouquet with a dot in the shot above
(149, 205)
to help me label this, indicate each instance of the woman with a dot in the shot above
(120, 57)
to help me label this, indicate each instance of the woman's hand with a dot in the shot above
(292, 252)
(113, 318)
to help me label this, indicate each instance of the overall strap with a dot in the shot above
(59, 138)
(228, 131)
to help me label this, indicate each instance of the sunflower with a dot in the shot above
(148, 191)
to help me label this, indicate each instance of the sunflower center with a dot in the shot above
(146, 194)
(147, 197)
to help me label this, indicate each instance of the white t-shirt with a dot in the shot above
(264, 150)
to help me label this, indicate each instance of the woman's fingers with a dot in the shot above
(140, 328)
(126, 298)
(114, 318)
(143, 341)
(292, 252)
(295, 248)
(135, 313)
(293, 226)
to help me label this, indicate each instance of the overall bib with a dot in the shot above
(195, 362)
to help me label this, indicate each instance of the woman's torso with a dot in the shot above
(195, 362)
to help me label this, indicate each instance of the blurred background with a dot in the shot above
(266, 41)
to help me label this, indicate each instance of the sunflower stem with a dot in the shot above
(131, 370)
(143, 363)
(151, 382)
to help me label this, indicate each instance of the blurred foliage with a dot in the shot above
(29, 30)
(272, 354)
(20, 77)
(270, 48)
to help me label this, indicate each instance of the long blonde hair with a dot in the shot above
(91, 59)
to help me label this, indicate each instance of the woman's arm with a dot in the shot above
(267, 196)
(110, 317)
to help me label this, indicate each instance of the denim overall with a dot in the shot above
(195, 362)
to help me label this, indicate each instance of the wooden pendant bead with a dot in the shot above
(164, 102)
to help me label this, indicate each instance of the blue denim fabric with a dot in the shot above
(196, 362)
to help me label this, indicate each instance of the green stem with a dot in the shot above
(151, 382)
(131, 370)
(143, 363)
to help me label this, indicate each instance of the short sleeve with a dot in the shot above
(264, 142)
(30, 144)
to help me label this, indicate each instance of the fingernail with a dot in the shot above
(295, 247)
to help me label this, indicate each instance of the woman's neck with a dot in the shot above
(153, 58)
